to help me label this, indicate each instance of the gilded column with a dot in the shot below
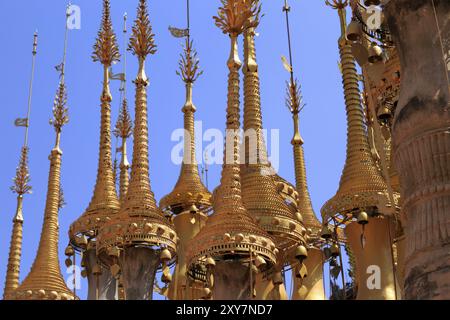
(421, 141)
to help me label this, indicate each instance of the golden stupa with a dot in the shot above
(389, 216)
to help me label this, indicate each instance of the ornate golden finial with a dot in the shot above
(123, 130)
(60, 111)
(235, 16)
(106, 49)
(104, 202)
(124, 124)
(22, 179)
(189, 64)
(230, 231)
(45, 281)
(340, 5)
(142, 41)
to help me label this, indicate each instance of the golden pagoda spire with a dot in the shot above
(140, 224)
(259, 191)
(311, 287)
(104, 202)
(21, 187)
(231, 233)
(190, 200)
(124, 126)
(45, 281)
(362, 185)
(294, 102)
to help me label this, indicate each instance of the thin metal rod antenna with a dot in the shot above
(287, 9)
(30, 91)
(125, 54)
(188, 13)
(63, 66)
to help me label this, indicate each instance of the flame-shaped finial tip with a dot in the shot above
(106, 49)
(142, 41)
(294, 97)
(22, 179)
(189, 64)
(60, 109)
(124, 124)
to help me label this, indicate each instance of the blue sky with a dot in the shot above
(315, 30)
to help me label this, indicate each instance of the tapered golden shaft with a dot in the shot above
(45, 280)
(15, 252)
(104, 192)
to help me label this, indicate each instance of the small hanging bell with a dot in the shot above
(165, 256)
(326, 232)
(277, 278)
(69, 251)
(375, 53)
(354, 31)
(334, 250)
(301, 253)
